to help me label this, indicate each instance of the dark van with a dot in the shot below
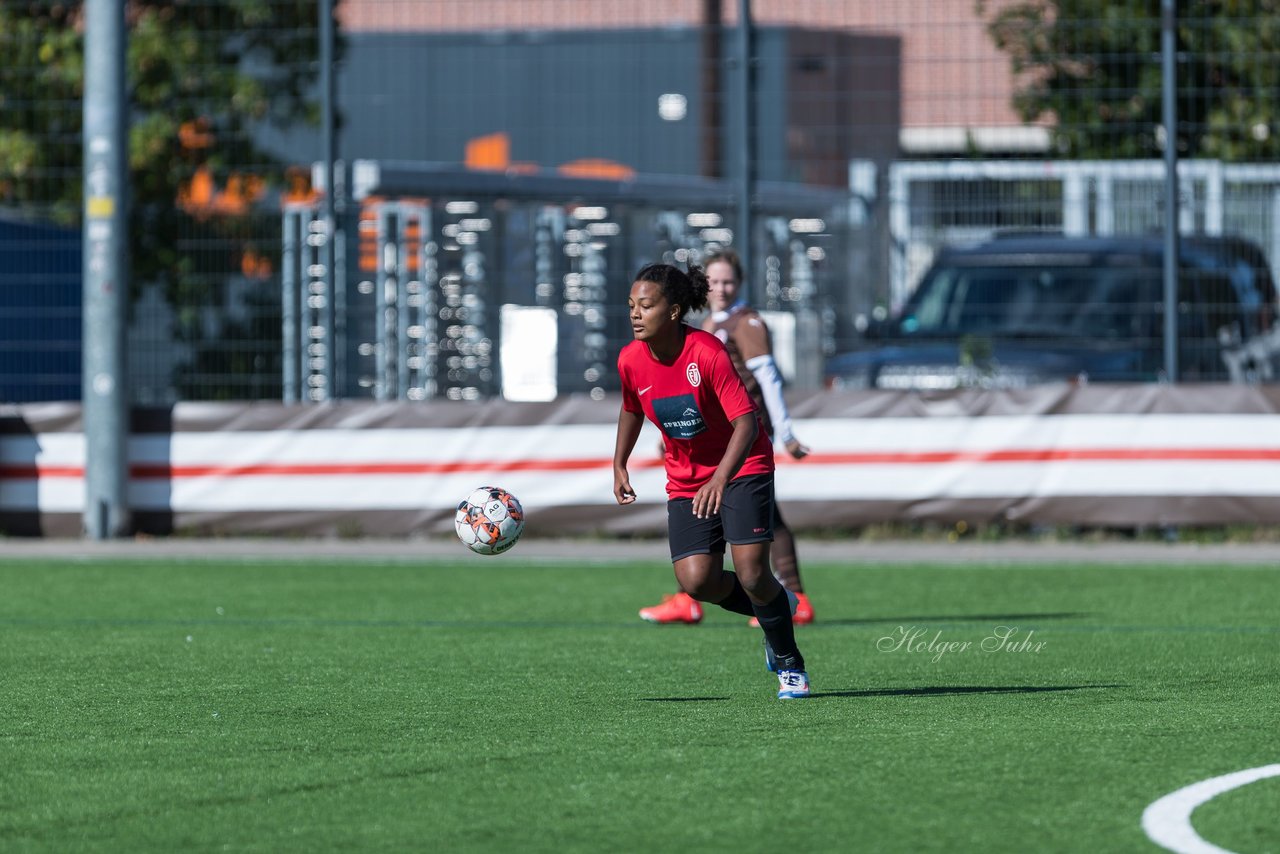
(1026, 309)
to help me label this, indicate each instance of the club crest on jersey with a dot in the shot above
(695, 377)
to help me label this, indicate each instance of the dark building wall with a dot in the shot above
(559, 96)
(843, 102)
(823, 98)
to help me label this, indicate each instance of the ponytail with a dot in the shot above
(686, 290)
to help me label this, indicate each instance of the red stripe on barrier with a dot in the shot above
(12, 472)
(153, 471)
(1040, 455)
(164, 471)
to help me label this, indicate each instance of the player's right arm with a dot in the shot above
(629, 425)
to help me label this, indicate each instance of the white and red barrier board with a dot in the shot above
(1093, 455)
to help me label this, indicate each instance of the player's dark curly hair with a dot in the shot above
(686, 290)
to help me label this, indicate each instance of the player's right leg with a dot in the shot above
(697, 556)
(704, 577)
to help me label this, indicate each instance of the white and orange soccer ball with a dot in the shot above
(489, 520)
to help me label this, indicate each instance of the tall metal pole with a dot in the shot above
(1169, 87)
(106, 272)
(744, 166)
(712, 89)
(290, 286)
(328, 154)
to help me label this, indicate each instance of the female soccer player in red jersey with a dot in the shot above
(746, 337)
(719, 461)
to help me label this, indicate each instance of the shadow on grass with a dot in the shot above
(954, 618)
(682, 699)
(927, 691)
(943, 690)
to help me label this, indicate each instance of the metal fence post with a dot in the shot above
(328, 314)
(290, 291)
(1169, 84)
(744, 168)
(106, 272)
(385, 281)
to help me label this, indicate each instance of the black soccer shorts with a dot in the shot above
(746, 516)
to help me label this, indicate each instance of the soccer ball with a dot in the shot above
(489, 520)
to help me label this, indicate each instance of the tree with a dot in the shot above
(1090, 69)
(202, 75)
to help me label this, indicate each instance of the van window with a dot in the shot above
(1108, 302)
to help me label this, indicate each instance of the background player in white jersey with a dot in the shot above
(745, 335)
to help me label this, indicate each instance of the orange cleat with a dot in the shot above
(801, 616)
(680, 608)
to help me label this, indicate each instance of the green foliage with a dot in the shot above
(201, 75)
(225, 64)
(1092, 70)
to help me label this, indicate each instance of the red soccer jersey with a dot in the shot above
(692, 401)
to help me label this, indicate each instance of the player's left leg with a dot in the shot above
(747, 512)
(786, 567)
(782, 654)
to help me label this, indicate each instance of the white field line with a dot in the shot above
(1168, 820)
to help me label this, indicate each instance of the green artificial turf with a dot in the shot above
(516, 705)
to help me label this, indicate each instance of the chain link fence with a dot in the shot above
(506, 165)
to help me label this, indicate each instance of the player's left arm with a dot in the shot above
(709, 497)
(741, 412)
